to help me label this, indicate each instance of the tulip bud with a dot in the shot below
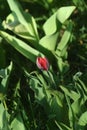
(42, 63)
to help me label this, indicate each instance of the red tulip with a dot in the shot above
(42, 63)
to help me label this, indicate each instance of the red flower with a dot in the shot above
(42, 63)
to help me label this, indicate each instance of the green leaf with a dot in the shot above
(56, 109)
(39, 91)
(71, 113)
(54, 23)
(4, 125)
(81, 93)
(19, 29)
(72, 94)
(4, 82)
(1, 115)
(77, 76)
(64, 12)
(17, 123)
(25, 19)
(62, 65)
(21, 46)
(41, 96)
(61, 50)
(50, 26)
(77, 107)
(82, 85)
(83, 119)
(49, 42)
(58, 96)
(63, 44)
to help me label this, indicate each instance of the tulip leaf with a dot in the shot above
(63, 44)
(17, 123)
(21, 46)
(55, 22)
(83, 119)
(64, 12)
(77, 107)
(57, 96)
(49, 42)
(12, 23)
(39, 92)
(5, 78)
(25, 19)
(50, 26)
(72, 94)
(3, 118)
(70, 113)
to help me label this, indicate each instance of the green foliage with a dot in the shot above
(24, 19)
(21, 46)
(32, 99)
(3, 118)
(17, 123)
